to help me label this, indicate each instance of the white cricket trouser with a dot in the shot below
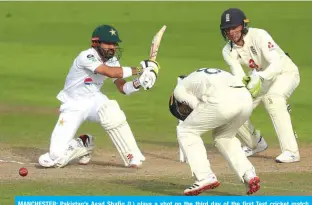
(72, 115)
(275, 101)
(224, 119)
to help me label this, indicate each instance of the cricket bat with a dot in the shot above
(156, 43)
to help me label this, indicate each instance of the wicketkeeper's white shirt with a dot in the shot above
(260, 53)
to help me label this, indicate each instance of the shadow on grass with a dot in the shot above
(260, 156)
(107, 164)
(30, 153)
(160, 187)
(170, 144)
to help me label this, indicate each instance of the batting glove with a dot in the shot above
(149, 64)
(148, 78)
(246, 80)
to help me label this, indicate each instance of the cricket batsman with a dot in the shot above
(210, 99)
(272, 79)
(82, 100)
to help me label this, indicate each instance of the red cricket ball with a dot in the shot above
(23, 172)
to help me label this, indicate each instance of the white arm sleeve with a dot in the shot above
(129, 88)
(235, 66)
(113, 63)
(183, 96)
(269, 50)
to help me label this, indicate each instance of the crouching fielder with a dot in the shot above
(82, 100)
(212, 99)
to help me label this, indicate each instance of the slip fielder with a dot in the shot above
(212, 99)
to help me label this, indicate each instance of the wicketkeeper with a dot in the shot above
(272, 80)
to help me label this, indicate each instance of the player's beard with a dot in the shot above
(108, 53)
(237, 37)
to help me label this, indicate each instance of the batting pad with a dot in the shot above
(121, 145)
(113, 120)
(231, 150)
(193, 147)
(249, 136)
(277, 109)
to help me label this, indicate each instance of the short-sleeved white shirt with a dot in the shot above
(82, 82)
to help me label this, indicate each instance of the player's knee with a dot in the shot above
(274, 102)
(184, 131)
(180, 131)
(219, 141)
(226, 143)
(188, 137)
(217, 137)
(111, 116)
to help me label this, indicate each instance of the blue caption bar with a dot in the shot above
(163, 200)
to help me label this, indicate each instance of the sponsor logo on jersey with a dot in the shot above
(253, 50)
(88, 81)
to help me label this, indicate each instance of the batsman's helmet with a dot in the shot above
(177, 109)
(231, 18)
(106, 34)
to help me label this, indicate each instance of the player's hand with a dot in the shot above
(254, 84)
(246, 80)
(148, 78)
(149, 64)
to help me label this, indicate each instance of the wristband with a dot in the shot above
(126, 72)
(136, 83)
(129, 88)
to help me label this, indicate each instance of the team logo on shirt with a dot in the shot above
(270, 46)
(88, 81)
(91, 57)
(252, 64)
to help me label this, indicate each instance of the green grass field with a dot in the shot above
(39, 40)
